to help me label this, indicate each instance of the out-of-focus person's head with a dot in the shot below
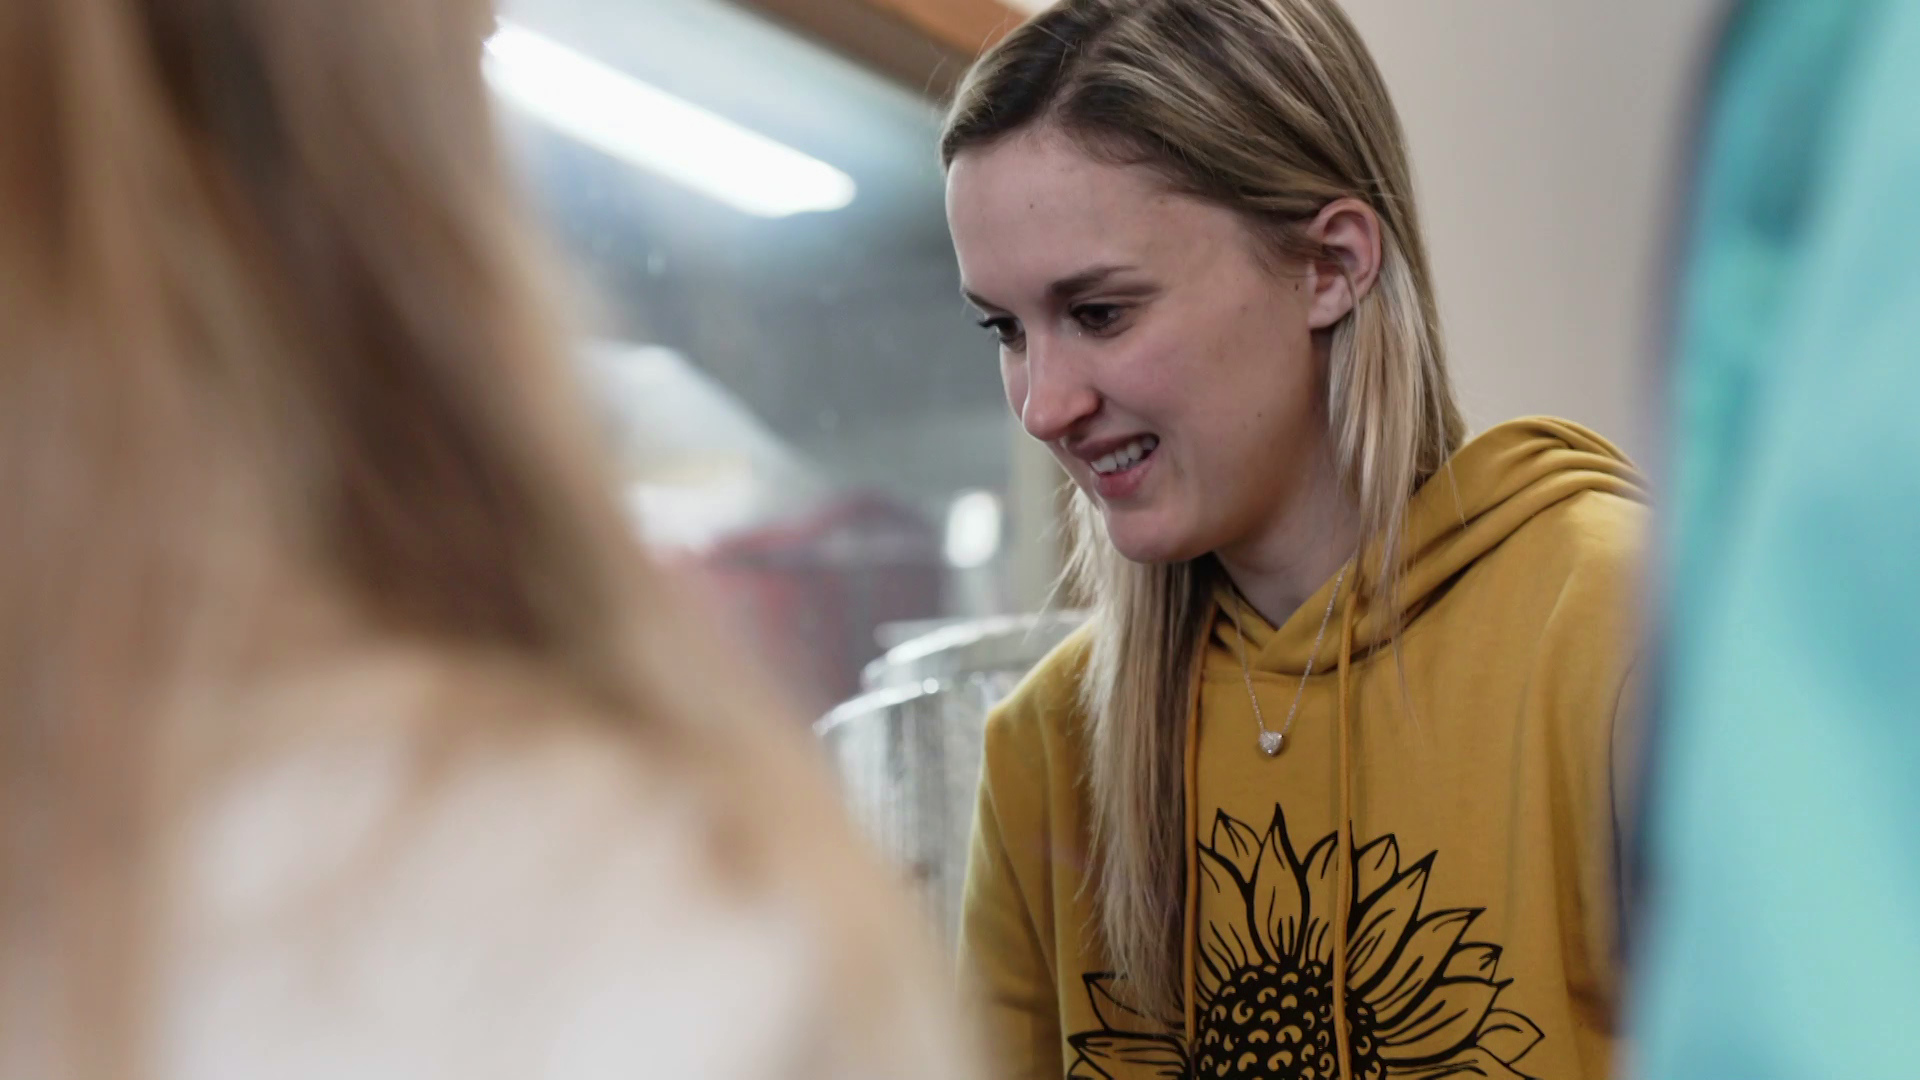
(291, 456)
(268, 289)
(1191, 225)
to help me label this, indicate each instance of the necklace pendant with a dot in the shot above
(1270, 742)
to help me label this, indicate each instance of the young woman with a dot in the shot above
(1325, 790)
(342, 732)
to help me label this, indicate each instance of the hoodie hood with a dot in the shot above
(1487, 491)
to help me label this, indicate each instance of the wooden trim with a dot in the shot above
(925, 45)
(969, 26)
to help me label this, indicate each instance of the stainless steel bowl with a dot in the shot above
(907, 753)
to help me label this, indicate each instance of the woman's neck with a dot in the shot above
(1283, 564)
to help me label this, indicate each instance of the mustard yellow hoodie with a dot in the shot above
(1480, 872)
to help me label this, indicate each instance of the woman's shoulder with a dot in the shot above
(1564, 588)
(1592, 535)
(1603, 527)
(1574, 576)
(1045, 709)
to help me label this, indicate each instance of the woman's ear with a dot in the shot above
(1347, 232)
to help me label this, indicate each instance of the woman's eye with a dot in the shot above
(1097, 318)
(1006, 330)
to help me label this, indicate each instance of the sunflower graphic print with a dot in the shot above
(1422, 999)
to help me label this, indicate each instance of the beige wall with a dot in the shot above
(1544, 135)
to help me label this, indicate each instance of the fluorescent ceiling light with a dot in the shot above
(629, 120)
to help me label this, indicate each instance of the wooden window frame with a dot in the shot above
(925, 45)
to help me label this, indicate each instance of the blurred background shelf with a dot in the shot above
(907, 751)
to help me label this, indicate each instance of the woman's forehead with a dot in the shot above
(1033, 210)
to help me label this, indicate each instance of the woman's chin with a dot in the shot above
(1151, 546)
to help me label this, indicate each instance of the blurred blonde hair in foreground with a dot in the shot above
(342, 733)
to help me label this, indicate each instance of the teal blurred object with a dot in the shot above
(1783, 827)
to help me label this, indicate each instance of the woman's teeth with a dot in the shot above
(1127, 456)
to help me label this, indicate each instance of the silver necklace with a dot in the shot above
(1271, 741)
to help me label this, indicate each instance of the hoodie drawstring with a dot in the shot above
(1342, 848)
(1190, 918)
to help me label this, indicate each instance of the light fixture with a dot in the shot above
(637, 123)
(973, 530)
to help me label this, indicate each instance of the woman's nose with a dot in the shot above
(1058, 397)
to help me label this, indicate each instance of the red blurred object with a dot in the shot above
(810, 592)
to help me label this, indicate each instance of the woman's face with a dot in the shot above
(1173, 373)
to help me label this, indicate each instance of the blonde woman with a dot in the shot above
(1325, 790)
(343, 733)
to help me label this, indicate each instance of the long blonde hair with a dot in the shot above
(268, 314)
(1272, 109)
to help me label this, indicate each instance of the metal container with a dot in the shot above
(907, 752)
